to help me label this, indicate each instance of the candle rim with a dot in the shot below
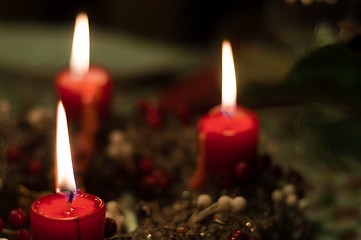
(99, 207)
(64, 76)
(243, 120)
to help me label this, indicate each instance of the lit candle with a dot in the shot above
(80, 84)
(228, 134)
(86, 94)
(68, 214)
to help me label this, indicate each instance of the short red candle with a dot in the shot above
(225, 141)
(56, 216)
(52, 219)
(94, 86)
(228, 134)
(228, 140)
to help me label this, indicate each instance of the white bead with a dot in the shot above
(127, 150)
(186, 194)
(224, 202)
(238, 204)
(116, 136)
(37, 116)
(4, 106)
(277, 196)
(303, 204)
(306, 2)
(291, 199)
(113, 207)
(289, 189)
(113, 151)
(204, 200)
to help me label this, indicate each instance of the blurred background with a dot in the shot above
(290, 25)
(298, 64)
(169, 41)
(185, 21)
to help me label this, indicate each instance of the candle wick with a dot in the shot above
(228, 114)
(70, 199)
(68, 203)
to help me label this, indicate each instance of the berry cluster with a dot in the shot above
(155, 114)
(16, 226)
(241, 235)
(33, 166)
(153, 180)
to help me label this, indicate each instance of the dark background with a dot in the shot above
(184, 21)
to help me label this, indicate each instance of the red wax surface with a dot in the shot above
(51, 218)
(95, 86)
(228, 140)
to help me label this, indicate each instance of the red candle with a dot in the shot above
(228, 134)
(94, 86)
(86, 94)
(51, 218)
(82, 84)
(69, 214)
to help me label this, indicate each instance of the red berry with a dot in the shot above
(143, 106)
(34, 166)
(161, 178)
(14, 154)
(145, 166)
(147, 184)
(255, 238)
(238, 235)
(242, 171)
(153, 119)
(21, 234)
(1, 224)
(183, 113)
(110, 227)
(17, 218)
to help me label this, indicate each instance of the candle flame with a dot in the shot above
(79, 59)
(229, 84)
(65, 173)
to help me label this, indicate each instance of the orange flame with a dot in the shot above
(65, 173)
(229, 84)
(79, 59)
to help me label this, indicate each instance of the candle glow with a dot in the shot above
(79, 59)
(229, 84)
(65, 173)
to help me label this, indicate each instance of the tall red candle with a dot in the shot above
(86, 94)
(69, 214)
(228, 134)
(80, 83)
